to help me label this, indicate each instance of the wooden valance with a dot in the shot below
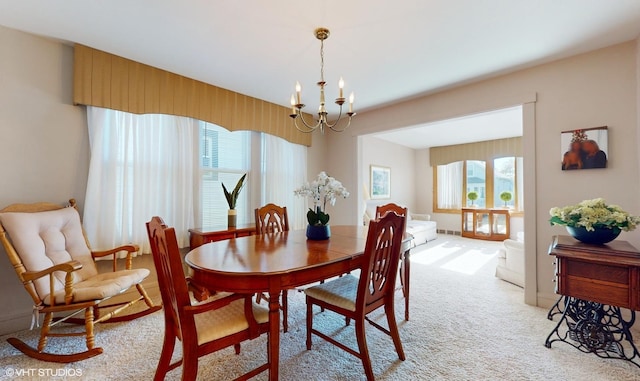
(487, 150)
(105, 80)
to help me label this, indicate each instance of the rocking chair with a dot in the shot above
(51, 255)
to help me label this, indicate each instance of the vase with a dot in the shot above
(318, 232)
(598, 236)
(231, 218)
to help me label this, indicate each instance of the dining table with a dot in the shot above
(277, 261)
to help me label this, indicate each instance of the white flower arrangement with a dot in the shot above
(324, 189)
(592, 214)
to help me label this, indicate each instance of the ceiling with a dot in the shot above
(386, 51)
(498, 124)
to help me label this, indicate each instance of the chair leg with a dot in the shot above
(309, 323)
(44, 332)
(189, 362)
(285, 311)
(236, 347)
(145, 296)
(164, 363)
(393, 329)
(364, 351)
(88, 325)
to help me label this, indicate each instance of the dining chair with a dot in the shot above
(404, 259)
(356, 297)
(272, 218)
(50, 253)
(202, 327)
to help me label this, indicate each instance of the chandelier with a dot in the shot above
(297, 105)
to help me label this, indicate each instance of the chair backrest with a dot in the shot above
(40, 236)
(391, 207)
(380, 263)
(272, 218)
(171, 279)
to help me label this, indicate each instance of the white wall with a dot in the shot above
(400, 160)
(589, 90)
(44, 149)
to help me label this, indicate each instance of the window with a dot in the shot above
(504, 180)
(476, 182)
(174, 167)
(224, 157)
(504, 174)
(449, 195)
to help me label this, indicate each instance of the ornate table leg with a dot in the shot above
(595, 328)
(556, 309)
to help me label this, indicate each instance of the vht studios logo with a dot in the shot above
(41, 372)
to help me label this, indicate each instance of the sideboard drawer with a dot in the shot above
(595, 271)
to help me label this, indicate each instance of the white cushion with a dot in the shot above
(102, 286)
(45, 239)
(339, 292)
(226, 321)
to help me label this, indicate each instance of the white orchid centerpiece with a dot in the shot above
(323, 190)
(593, 214)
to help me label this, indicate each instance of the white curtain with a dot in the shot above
(450, 185)
(141, 166)
(283, 169)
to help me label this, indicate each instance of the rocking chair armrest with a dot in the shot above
(67, 267)
(130, 249)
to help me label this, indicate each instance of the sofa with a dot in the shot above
(510, 265)
(419, 226)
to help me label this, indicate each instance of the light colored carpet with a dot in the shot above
(465, 325)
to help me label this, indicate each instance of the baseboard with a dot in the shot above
(546, 300)
(15, 322)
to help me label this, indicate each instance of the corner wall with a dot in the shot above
(44, 149)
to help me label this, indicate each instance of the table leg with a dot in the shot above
(405, 284)
(595, 328)
(274, 335)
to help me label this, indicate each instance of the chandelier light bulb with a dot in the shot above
(293, 105)
(298, 90)
(351, 98)
(341, 86)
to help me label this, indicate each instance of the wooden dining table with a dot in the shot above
(277, 261)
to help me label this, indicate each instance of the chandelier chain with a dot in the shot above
(322, 60)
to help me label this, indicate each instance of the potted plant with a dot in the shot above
(232, 199)
(472, 196)
(593, 221)
(506, 197)
(324, 189)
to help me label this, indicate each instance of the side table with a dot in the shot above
(595, 282)
(200, 236)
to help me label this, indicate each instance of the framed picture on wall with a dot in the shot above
(584, 149)
(380, 182)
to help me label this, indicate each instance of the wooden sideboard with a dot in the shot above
(595, 282)
(489, 224)
(608, 274)
(200, 236)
